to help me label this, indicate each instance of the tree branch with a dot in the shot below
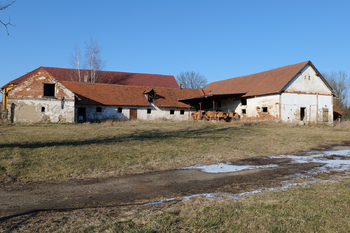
(9, 22)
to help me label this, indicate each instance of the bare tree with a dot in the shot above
(75, 63)
(93, 60)
(191, 79)
(4, 7)
(340, 82)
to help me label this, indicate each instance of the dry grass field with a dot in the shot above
(56, 152)
(44, 152)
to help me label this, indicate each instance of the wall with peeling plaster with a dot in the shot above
(111, 112)
(315, 106)
(254, 108)
(26, 102)
(31, 111)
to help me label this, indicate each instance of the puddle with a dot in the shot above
(336, 160)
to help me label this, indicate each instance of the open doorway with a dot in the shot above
(302, 114)
(81, 115)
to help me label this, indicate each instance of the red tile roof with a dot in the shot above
(268, 82)
(110, 77)
(123, 95)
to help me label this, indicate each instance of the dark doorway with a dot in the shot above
(81, 115)
(133, 114)
(302, 113)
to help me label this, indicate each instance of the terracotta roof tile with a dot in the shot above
(122, 95)
(268, 82)
(110, 77)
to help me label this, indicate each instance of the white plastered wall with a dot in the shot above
(315, 106)
(308, 82)
(308, 91)
(111, 112)
(41, 110)
(256, 104)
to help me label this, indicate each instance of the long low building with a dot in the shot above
(294, 93)
(45, 95)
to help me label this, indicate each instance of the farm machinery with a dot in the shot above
(217, 115)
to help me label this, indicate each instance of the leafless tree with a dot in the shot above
(93, 61)
(75, 63)
(340, 82)
(4, 7)
(191, 79)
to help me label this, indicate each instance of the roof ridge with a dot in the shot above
(110, 84)
(105, 71)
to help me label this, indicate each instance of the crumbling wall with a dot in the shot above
(40, 111)
(27, 103)
(256, 105)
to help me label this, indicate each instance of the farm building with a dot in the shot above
(48, 95)
(296, 93)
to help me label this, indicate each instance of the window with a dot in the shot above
(244, 111)
(98, 109)
(42, 109)
(182, 112)
(120, 110)
(49, 89)
(172, 111)
(244, 101)
(149, 111)
(264, 110)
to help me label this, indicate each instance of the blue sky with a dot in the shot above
(219, 39)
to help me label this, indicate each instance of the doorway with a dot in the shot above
(133, 114)
(81, 115)
(302, 114)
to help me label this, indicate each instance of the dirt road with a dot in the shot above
(76, 194)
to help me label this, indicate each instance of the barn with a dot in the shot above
(295, 93)
(49, 95)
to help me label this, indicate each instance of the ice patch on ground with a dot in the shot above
(226, 167)
(333, 160)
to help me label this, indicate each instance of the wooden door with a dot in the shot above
(325, 115)
(133, 114)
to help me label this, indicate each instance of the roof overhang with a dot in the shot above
(208, 99)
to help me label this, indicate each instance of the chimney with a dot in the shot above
(180, 86)
(86, 77)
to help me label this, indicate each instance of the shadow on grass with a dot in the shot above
(207, 132)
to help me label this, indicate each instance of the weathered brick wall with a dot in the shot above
(32, 88)
(26, 102)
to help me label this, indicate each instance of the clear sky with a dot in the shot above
(219, 39)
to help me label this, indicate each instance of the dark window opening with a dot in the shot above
(172, 111)
(151, 95)
(244, 101)
(120, 110)
(49, 89)
(149, 111)
(244, 111)
(98, 109)
(264, 110)
(302, 114)
(42, 109)
(182, 112)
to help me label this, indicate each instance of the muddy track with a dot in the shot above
(134, 189)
